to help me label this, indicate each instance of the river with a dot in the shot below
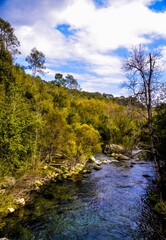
(109, 204)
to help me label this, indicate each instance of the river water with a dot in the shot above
(109, 204)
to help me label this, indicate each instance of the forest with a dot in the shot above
(44, 123)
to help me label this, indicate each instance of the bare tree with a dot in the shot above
(143, 73)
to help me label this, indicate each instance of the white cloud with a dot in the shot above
(117, 25)
(46, 39)
(123, 2)
(101, 84)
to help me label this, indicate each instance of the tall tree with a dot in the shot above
(59, 80)
(143, 72)
(8, 38)
(6, 65)
(71, 82)
(36, 61)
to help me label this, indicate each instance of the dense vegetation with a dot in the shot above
(42, 122)
(160, 130)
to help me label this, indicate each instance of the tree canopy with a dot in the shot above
(69, 81)
(36, 61)
(8, 38)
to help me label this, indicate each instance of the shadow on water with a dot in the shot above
(107, 204)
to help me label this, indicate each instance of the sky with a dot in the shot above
(87, 38)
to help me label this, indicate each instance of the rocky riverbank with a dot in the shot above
(16, 193)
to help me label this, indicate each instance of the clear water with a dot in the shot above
(108, 204)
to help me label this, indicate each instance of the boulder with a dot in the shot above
(104, 161)
(11, 209)
(93, 158)
(20, 201)
(114, 155)
(113, 161)
(96, 167)
(98, 162)
(78, 167)
(86, 171)
(123, 157)
(113, 148)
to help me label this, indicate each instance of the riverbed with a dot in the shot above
(109, 204)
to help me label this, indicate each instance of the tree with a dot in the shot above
(71, 82)
(124, 128)
(18, 124)
(6, 65)
(143, 72)
(88, 141)
(160, 127)
(59, 80)
(36, 60)
(8, 38)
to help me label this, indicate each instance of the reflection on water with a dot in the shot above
(106, 204)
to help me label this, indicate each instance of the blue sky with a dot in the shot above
(87, 38)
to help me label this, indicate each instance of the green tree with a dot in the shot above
(71, 82)
(124, 128)
(18, 126)
(88, 141)
(59, 80)
(7, 37)
(160, 128)
(54, 133)
(160, 131)
(6, 65)
(36, 61)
